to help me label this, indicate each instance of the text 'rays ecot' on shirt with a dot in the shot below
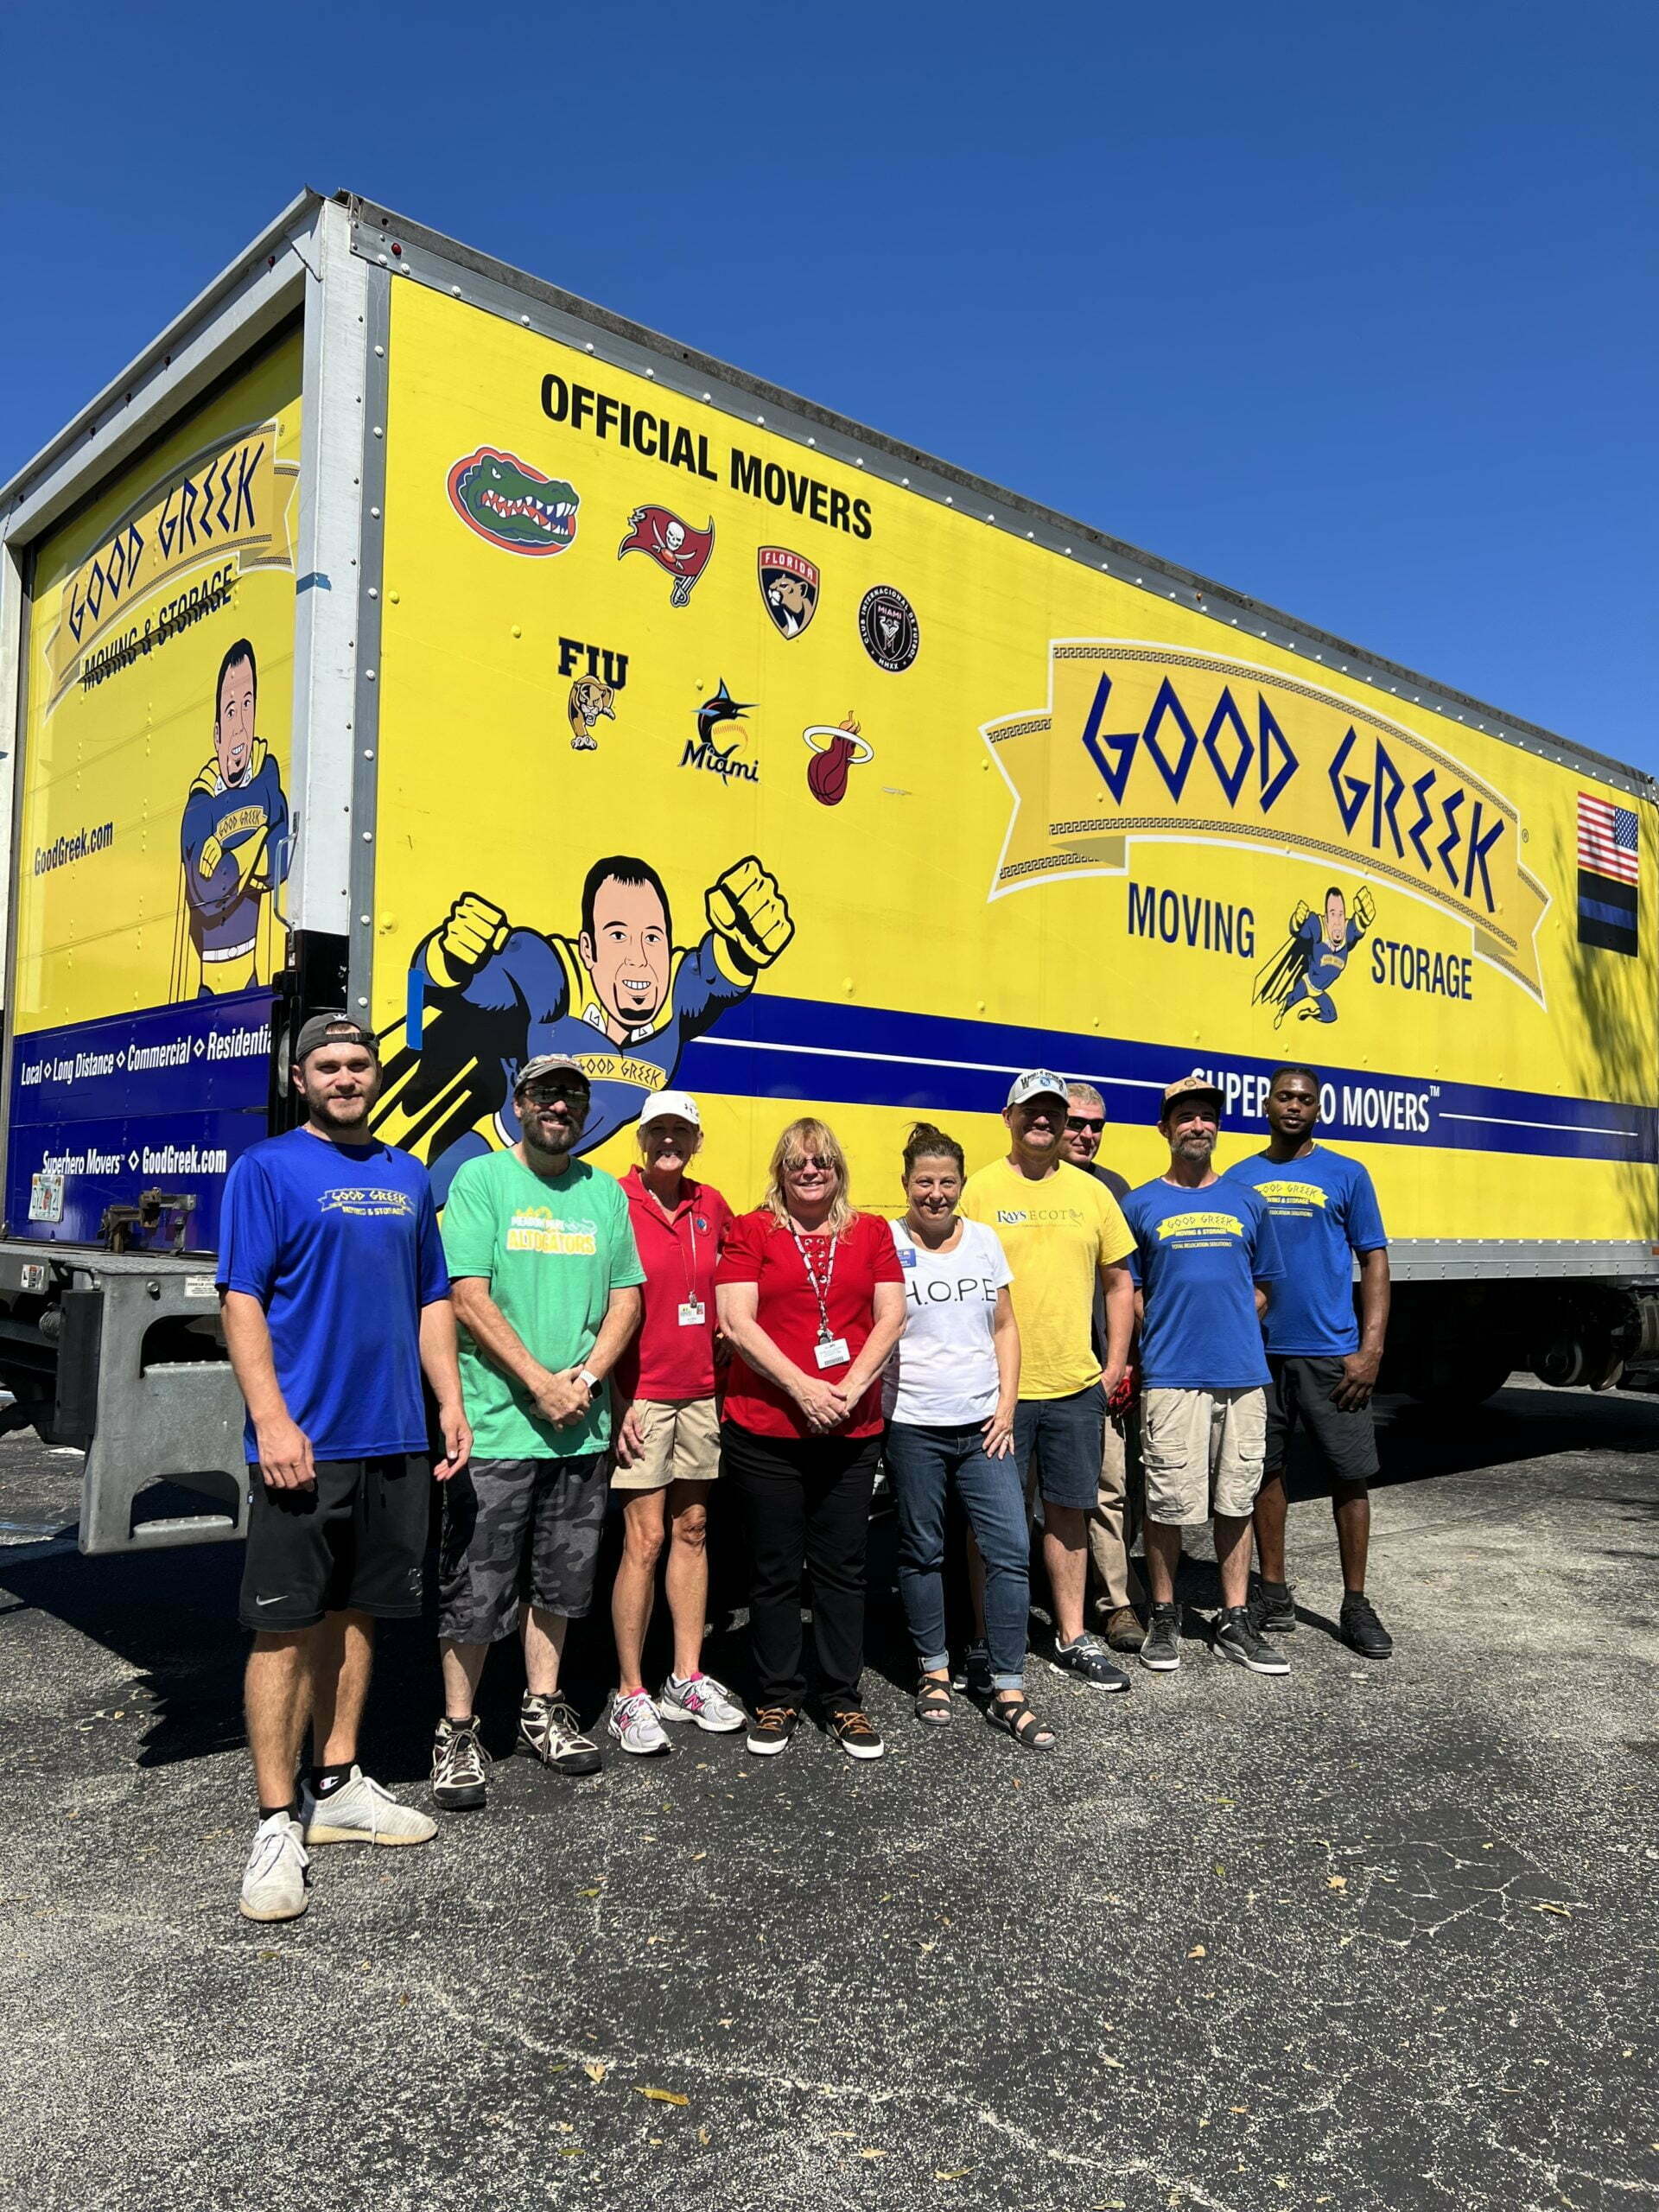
(1197, 1256)
(552, 1248)
(339, 1245)
(944, 1373)
(1323, 1209)
(1056, 1233)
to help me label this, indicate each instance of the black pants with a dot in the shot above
(807, 1504)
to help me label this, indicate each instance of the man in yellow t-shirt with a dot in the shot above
(1062, 1232)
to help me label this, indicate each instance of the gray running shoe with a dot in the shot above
(361, 1811)
(460, 1767)
(1236, 1638)
(701, 1699)
(549, 1727)
(1162, 1649)
(1087, 1658)
(634, 1724)
(273, 1882)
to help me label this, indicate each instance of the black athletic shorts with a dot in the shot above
(1302, 1388)
(354, 1541)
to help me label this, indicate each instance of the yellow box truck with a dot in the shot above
(401, 632)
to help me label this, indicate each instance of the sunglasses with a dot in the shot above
(544, 1093)
(1085, 1121)
(810, 1159)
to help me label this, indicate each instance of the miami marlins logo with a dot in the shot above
(672, 544)
(512, 504)
(788, 586)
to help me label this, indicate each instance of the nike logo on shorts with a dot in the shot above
(269, 1601)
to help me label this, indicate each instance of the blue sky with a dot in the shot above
(1353, 309)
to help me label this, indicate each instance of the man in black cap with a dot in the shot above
(1204, 1258)
(335, 1301)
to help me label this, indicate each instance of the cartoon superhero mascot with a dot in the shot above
(619, 997)
(1302, 974)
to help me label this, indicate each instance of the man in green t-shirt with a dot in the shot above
(545, 1277)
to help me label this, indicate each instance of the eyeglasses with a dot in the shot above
(544, 1093)
(1085, 1121)
(810, 1159)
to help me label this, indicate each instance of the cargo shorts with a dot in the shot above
(511, 1525)
(1202, 1452)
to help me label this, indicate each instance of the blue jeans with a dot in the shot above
(921, 1464)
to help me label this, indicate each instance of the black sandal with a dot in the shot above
(933, 1702)
(1015, 1718)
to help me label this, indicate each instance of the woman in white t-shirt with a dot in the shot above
(950, 1390)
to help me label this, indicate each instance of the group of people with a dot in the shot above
(636, 1337)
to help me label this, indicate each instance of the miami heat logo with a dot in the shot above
(834, 750)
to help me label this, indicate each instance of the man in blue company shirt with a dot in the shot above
(1323, 1361)
(1204, 1254)
(335, 1300)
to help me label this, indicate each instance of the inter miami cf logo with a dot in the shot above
(672, 545)
(789, 585)
(888, 624)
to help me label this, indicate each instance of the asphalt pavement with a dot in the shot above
(1374, 1936)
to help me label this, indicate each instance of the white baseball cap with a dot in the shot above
(1036, 1083)
(664, 1103)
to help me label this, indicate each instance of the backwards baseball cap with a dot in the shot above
(662, 1104)
(1036, 1083)
(1196, 1085)
(333, 1029)
(547, 1064)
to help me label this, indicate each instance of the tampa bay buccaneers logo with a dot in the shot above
(672, 544)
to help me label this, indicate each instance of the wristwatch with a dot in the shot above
(585, 1375)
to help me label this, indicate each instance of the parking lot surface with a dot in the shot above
(1374, 1936)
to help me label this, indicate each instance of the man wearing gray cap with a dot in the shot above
(335, 1301)
(1205, 1258)
(546, 1272)
(1062, 1235)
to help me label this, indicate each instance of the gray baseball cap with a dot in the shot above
(333, 1029)
(547, 1064)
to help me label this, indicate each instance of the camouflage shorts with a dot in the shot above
(512, 1526)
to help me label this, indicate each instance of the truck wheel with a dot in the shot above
(1458, 1386)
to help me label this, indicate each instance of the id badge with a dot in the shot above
(691, 1314)
(833, 1354)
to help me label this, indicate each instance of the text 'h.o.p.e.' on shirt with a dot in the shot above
(1197, 1258)
(942, 1374)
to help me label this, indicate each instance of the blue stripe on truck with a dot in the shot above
(873, 1056)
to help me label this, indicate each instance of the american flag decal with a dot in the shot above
(1608, 844)
(1610, 875)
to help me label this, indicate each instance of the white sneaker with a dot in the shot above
(635, 1724)
(273, 1882)
(701, 1699)
(361, 1811)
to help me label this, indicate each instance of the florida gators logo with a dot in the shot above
(512, 504)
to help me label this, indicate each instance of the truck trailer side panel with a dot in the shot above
(732, 764)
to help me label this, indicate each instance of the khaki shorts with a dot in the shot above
(1200, 1445)
(682, 1441)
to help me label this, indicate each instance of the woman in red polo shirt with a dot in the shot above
(668, 1440)
(812, 1300)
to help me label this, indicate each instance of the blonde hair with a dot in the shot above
(803, 1136)
(1085, 1094)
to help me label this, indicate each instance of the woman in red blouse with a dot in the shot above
(811, 1298)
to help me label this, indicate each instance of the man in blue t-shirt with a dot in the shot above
(1324, 1363)
(1204, 1254)
(335, 1301)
